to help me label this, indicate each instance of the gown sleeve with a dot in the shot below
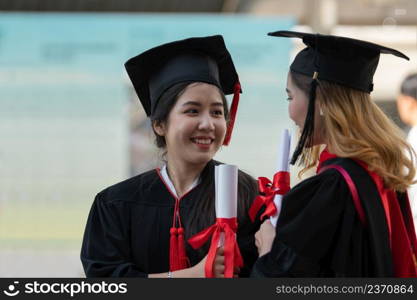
(309, 221)
(106, 245)
(247, 228)
(246, 241)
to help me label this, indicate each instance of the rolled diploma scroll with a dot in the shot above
(225, 177)
(283, 164)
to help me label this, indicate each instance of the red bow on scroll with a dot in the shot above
(268, 190)
(232, 256)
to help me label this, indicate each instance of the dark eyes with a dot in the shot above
(193, 111)
(289, 98)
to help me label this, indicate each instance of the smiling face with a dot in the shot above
(196, 125)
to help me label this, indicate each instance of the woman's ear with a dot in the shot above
(159, 127)
(318, 108)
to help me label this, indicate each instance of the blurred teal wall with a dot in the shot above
(65, 104)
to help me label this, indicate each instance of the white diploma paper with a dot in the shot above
(283, 165)
(226, 193)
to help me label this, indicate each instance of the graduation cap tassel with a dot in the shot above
(182, 256)
(233, 112)
(178, 259)
(173, 250)
(307, 134)
(174, 263)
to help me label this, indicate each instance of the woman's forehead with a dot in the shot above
(201, 91)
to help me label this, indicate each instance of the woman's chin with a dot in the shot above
(203, 158)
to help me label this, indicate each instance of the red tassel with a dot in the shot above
(233, 111)
(178, 259)
(173, 250)
(182, 256)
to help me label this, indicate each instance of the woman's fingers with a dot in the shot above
(219, 260)
(220, 251)
(220, 269)
(219, 263)
(257, 240)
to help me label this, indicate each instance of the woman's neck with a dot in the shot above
(183, 175)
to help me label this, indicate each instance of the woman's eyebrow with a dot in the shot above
(192, 103)
(199, 104)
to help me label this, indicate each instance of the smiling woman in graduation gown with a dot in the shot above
(128, 230)
(140, 227)
(353, 217)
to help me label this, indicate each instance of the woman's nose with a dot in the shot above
(206, 122)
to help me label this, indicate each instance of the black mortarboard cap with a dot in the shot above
(344, 61)
(198, 59)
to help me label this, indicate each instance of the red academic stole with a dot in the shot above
(401, 230)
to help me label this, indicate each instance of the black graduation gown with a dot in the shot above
(320, 235)
(128, 230)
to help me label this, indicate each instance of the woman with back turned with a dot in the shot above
(353, 217)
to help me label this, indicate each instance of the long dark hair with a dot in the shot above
(202, 212)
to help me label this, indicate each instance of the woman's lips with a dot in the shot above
(202, 142)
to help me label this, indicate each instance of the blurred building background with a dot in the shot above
(70, 123)
(392, 22)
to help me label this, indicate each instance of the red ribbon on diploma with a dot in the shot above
(232, 256)
(268, 190)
